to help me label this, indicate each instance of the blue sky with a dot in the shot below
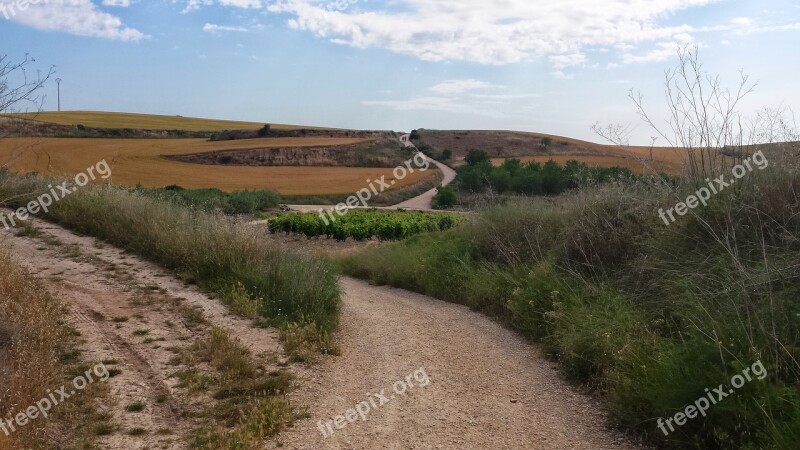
(544, 66)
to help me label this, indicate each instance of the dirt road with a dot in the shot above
(136, 318)
(439, 375)
(487, 387)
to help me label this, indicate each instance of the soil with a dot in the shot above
(487, 387)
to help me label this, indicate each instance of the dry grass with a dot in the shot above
(139, 161)
(101, 119)
(37, 353)
(249, 401)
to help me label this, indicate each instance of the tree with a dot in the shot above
(264, 131)
(18, 87)
(20, 91)
(445, 198)
(447, 154)
(547, 142)
(475, 157)
(703, 118)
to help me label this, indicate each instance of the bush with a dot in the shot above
(241, 202)
(445, 198)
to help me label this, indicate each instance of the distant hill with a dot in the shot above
(501, 145)
(100, 119)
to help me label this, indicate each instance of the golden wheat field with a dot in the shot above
(140, 161)
(99, 119)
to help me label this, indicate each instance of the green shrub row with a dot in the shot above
(362, 224)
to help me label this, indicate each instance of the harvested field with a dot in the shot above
(140, 161)
(101, 119)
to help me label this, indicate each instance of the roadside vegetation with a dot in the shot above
(38, 354)
(221, 256)
(240, 202)
(362, 224)
(648, 316)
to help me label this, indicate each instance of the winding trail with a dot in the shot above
(423, 202)
(487, 387)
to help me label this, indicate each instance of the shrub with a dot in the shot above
(445, 198)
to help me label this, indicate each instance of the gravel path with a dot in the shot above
(473, 384)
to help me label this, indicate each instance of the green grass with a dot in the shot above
(241, 202)
(135, 407)
(644, 315)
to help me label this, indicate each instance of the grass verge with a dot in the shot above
(228, 259)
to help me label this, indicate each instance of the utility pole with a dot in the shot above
(58, 82)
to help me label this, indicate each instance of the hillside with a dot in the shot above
(101, 119)
(501, 145)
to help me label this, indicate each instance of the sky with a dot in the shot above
(544, 66)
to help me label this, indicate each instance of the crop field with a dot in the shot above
(147, 121)
(140, 161)
(364, 224)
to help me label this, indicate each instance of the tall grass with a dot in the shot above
(646, 315)
(34, 345)
(209, 249)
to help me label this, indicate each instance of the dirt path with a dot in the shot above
(135, 318)
(487, 387)
(468, 383)
(422, 202)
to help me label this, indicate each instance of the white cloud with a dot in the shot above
(79, 17)
(564, 61)
(120, 3)
(459, 96)
(192, 5)
(213, 28)
(451, 87)
(662, 50)
(492, 32)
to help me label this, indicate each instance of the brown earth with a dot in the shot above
(385, 152)
(486, 387)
